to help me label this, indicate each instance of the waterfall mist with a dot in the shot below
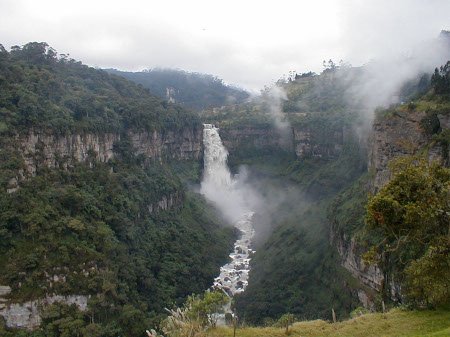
(236, 195)
(232, 195)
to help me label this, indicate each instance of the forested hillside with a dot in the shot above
(95, 208)
(120, 231)
(193, 90)
(295, 269)
(298, 270)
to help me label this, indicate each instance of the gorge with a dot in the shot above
(226, 193)
(117, 204)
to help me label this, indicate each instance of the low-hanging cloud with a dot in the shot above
(273, 99)
(396, 41)
(244, 43)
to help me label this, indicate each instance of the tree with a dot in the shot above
(412, 214)
(285, 321)
(440, 80)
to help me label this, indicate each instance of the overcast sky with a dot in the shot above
(247, 43)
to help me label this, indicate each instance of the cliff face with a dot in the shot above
(255, 137)
(400, 135)
(39, 149)
(27, 314)
(307, 143)
(371, 277)
(392, 137)
(43, 150)
(302, 141)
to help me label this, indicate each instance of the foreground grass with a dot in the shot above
(396, 323)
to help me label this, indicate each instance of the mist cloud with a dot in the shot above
(245, 43)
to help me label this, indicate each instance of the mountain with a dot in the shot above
(97, 226)
(315, 253)
(192, 90)
(100, 230)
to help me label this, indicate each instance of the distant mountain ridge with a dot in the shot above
(193, 90)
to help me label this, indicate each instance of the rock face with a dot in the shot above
(27, 314)
(371, 277)
(182, 145)
(400, 135)
(44, 150)
(167, 202)
(392, 137)
(55, 151)
(309, 144)
(301, 141)
(62, 151)
(255, 137)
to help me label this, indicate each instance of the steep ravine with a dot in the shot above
(392, 136)
(43, 150)
(50, 150)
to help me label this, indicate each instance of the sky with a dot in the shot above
(247, 43)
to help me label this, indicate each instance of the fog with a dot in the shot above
(250, 44)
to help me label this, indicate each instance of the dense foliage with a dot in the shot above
(94, 228)
(192, 90)
(440, 80)
(89, 231)
(39, 89)
(412, 213)
(296, 270)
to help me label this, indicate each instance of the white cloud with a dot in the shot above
(249, 43)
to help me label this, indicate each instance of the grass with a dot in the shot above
(396, 323)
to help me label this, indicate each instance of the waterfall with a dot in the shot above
(216, 172)
(230, 195)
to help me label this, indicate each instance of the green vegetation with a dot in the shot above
(348, 209)
(192, 90)
(412, 216)
(41, 90)
(440, 80)
(94, 228)
(324, 93)
(196, 315)
(396, 323)
(296, 270)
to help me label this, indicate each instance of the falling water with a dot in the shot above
(226, 192)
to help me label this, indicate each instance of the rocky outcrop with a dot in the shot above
(256, 138)
(27, 314)
(301, 141)
(181, 145)
(167, 202)
(309, 144)
(40, 149)
(392, 137)
(351, 253)
(370, 277)
(399, 135)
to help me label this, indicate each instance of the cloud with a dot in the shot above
(384, 28)
(251, 44)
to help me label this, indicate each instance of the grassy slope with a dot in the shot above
(395, 323)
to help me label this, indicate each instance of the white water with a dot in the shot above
(232, 199)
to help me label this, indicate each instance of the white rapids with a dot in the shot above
(233, 276)
(224, 190)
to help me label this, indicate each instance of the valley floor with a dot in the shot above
(396, 323)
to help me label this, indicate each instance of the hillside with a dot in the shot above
(395, 323)
(93, 211)
(192, 90)
(100, 229)
(312, 260)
